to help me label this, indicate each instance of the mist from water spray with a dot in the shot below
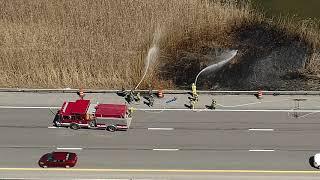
(152, 55)
(224, 58)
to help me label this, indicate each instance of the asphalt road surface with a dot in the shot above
(166, 140)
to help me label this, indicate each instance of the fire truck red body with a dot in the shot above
(83, 114)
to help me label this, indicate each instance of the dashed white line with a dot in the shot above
(261, 150)
(19, 178)
(261, 129)
(107, 179)
(53, 127)
(68, 148)
(165, 129)
(165, 149)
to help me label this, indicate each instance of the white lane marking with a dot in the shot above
(53, 127)
(109, 179)
(261, 150)
(241, 104)
(165, 129)
(25, 147)
(68, 148)
(165, 149)
(259, 102)
(28, 107)
(261, 129)
(20, 178)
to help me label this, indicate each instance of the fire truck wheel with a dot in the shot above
(56, 124)
(111, 128)
(92, 124)
(74, 126)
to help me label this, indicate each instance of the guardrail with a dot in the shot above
(68, 90)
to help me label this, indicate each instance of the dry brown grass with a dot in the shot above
(103, 43)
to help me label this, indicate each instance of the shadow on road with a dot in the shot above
(188, 106)
(210, 107)
(121, 93)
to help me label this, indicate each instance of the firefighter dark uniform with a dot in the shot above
(138, 97)
(192, 103)
(130, 97)
(151, 100)
(213, 104)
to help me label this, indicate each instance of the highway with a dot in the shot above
(202, 144)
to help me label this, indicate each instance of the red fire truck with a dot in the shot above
(83, 114)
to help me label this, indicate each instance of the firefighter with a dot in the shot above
(192, 104)
(194, 90)
(130, 97)
(122, 92)
(126, 97)
(196, 97)
(130, 111)
(213, 104)
(151, 100)
(138, 97)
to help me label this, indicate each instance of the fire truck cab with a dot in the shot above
(83, 114)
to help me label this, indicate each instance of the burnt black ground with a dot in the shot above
(268, 58)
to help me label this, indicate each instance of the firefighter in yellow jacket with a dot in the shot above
(194, 90)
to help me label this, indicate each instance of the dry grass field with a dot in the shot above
(105, 43)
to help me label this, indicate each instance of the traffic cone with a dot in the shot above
(259, 94)
(81, 93)
(160, 94)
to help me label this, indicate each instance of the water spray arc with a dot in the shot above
(225, 58)
(152, 55)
